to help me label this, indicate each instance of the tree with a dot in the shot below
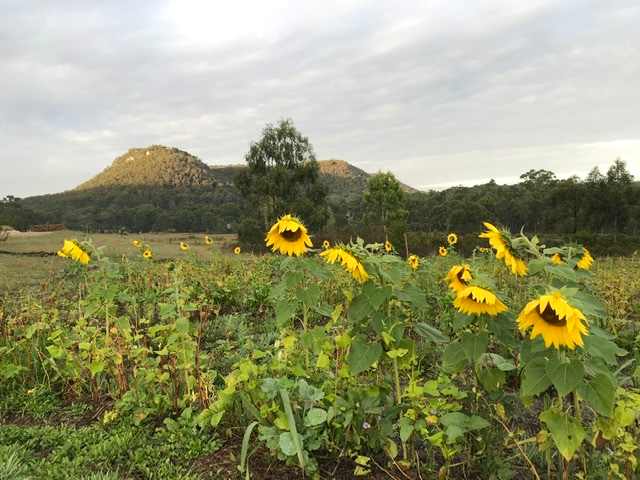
(385, 203)
(283, 177)
(619, 194)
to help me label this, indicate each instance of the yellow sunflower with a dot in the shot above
(71, 249)
(474, 300)
(288, 236)
(348, 262)
(326, 244)
(443, 252)
(556, 259)
(208, 240)
(414, 262)
(452, 239)
(585, 261)
(184, 246)
(388, 247)
(136, 243)
(555, 319)
(503, 251)
(148, 254)
(459, 277)
(237, 250)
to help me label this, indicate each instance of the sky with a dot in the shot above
(441, 93)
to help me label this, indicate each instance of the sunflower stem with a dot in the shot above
(396, 376)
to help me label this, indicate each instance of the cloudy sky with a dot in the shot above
(439, 92)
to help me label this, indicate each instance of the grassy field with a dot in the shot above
(38, 262)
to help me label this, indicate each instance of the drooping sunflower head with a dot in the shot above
(459, 277)
(148, 254)
(208, 240)
(237, 250)
(586, 260)
(348, 261)
(388, 247)
(474, 300)
(452, 239)
(184, 246)
(71, 249)
(442, 251)
(326, 244)
(414, 262)
(288, 236)
(500, 241)
(137, 243)
(552, 317)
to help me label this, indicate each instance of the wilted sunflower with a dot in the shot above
(326, 244)
(555, 319)
(388, 247)
(474, 300)
(452, 239)
(137, 243)
(586, 260)
(184, 246)
(148, 254)
(208, 240)
(503, 250)
(348, 262)
(71, 249)
(237, 250)
(459, 277)
(556, 259)
(443, 252)
(288, 236)
(414, 262)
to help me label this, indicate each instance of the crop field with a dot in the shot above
(316, 361)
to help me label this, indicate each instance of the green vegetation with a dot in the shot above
(212, 365)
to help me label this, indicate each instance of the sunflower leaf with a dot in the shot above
(453, 358)
(565, 376)
(601, 347)
(430, 333)
(567, 433)
(475, 344)
(534, 378)
(362, 355)
(600, 393)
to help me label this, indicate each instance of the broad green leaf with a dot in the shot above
(565, 376)
(453, 358)
(600, 393)
(537, 265)
(287, 445)
(397, 352)
(412, 294)
(457, 424)
(601, 347)
(360, 308)
(406, 428)
(498, 361)
(96, 367)
(474, 345)
(430, 333)
(362, 355)
(284, 312)
(566, 432)
(315, 416)
(376, 295)
(490, 378)
(534, 378)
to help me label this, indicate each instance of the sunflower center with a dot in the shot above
(460, 276)
(291, 236)
(550, 316)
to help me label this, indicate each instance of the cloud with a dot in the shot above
(438, 92)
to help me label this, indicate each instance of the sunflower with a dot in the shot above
(474, 300)
(288, 236)
(443, 252)
(502, 247)
(388, 247)
(348, 262)
(237, 250)
(184, 246)
(586, 260)
(71, 249)
(208, 240)
(452, 239)
(414, 262)
(555, 319)
(148, 254)
(556, 259)
(136, 243)
(326, 244)
(459, 277)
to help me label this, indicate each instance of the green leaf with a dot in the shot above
(245, 445)
(314, 417)
(537, 265)
(413, 294)
(362, 355)
(453, 358)
(359, 308)
(601, 347)
(294, 438)
(566, 432)
(286, 444)
(534, 378)
(376, 295)
(406, 428)
(474, 345)
(600, 393)
(430, 333)
(498, 361)
(565, 376)
(490, 378)
(284, 312)
(96, 367)
(457, 424)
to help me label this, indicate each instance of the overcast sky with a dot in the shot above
(440, 93)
